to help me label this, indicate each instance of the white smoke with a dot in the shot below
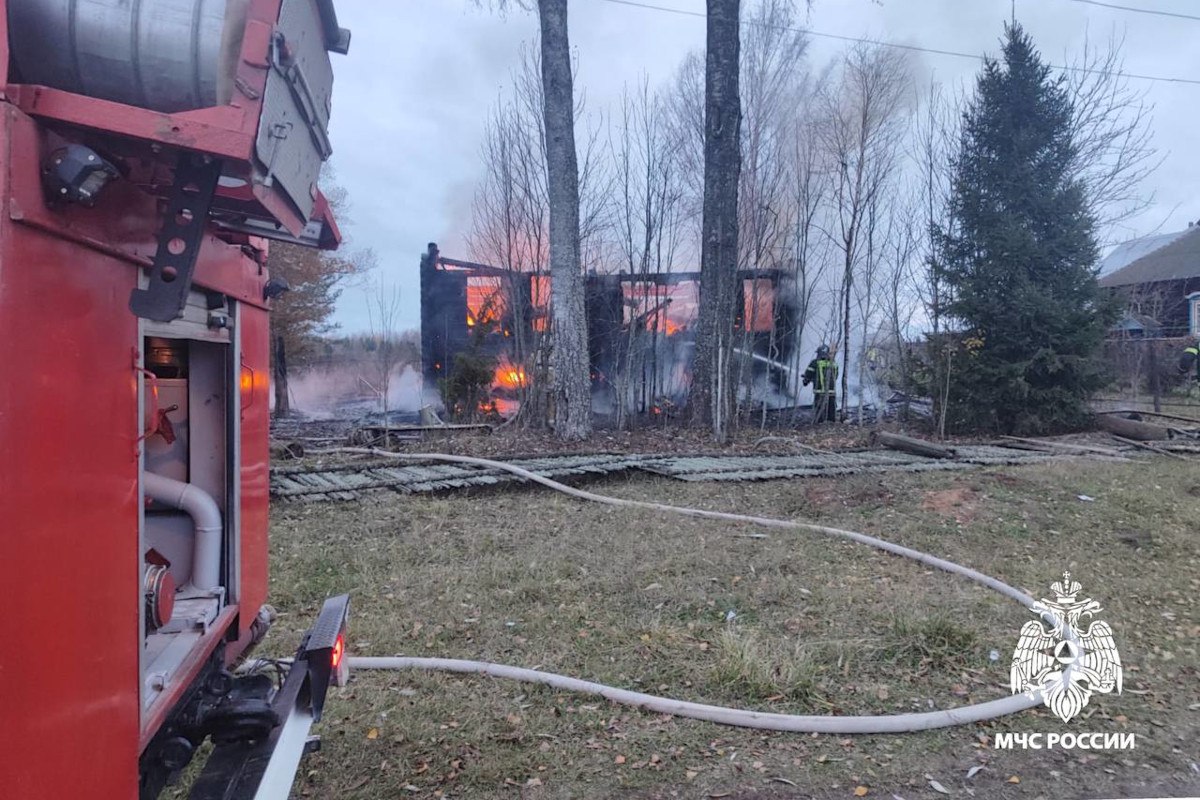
(406, 390)
(351, 389)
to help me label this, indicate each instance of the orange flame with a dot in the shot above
(498, 405)
(663, 324)
(486, 303)
(665, 309)
(759, 305)
(510, 376)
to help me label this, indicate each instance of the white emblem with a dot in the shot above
(1066, 662)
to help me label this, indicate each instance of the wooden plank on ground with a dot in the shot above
(1150, 447)
(1073, 448)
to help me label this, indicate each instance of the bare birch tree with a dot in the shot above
(774, 93)
(810, 249)
(862, 134)
(865, 296)
(383, 320)
(935, 135)
(899, 296)
(510, 222)
(570, 379)
(1112, 133)
(685, 125)
(509, 229)
(772, 83)
(645, 225)
(934, 142)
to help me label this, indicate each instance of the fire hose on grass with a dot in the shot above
(893, 723)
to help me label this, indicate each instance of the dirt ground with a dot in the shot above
(792, 623)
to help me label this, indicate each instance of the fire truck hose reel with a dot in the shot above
(206, 518)
(894, 723)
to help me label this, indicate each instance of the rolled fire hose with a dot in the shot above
(888, 723)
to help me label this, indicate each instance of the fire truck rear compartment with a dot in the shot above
(146, 150)
(186, 537)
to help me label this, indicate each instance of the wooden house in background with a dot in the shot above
(1159, 279)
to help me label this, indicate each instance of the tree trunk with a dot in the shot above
(283, 405)
(712, 391)
(849, 287)
(907, 444)
(1132, 429)
(571, 386)
(1155, 376)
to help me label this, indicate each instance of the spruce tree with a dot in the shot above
(1020, 259)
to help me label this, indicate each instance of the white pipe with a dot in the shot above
(896, 723)
(206, 519)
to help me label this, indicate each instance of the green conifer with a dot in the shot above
(1020, 260)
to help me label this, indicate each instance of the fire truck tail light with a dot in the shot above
(325, 651)
(339, 650)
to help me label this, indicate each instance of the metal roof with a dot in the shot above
(1138, 322)
(1167, 257)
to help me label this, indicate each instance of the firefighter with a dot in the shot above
(822, 374)
(1190, 361)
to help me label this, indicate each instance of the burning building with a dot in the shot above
(640, 331)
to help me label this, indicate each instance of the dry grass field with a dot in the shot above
(791, 623)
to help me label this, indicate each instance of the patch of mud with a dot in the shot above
(961, 503)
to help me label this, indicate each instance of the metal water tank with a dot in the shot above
(166, 55)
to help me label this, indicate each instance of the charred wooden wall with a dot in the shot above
(443, 316)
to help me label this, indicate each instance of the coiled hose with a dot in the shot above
(894, 723)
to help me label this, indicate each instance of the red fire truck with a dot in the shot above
(149, 149)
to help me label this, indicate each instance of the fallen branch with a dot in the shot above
(1064, 446)
(1181, 447)
(1028, 447)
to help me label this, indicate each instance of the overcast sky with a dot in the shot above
(412, 97)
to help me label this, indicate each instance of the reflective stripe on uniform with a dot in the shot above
(826, 374)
